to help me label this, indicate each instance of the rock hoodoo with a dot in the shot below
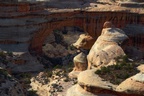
(102, 54)
(106, 47)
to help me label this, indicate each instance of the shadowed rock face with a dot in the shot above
(9, 86)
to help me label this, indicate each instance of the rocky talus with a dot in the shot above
(9, 86)
(52, 83)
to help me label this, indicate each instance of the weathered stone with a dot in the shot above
(141, 68)
(133, 85)
(80, 62)
(106, 47)
(85, 42)
(89, 78)
(76, 90)
(90, 84)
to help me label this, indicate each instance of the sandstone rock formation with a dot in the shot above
(90, 84)
(9, 86)
(131, 3)
(106, 47)
(133, 85)
(85, 41)
(141, 68)
(80, 62)
(83, 44)
(103, 53)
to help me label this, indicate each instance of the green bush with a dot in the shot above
(119, 72)
(32, 93)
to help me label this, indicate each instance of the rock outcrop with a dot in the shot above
(104, 53)
(106, 48)
(80, 62)
(133, 85)
(90, 84)
(85, 41)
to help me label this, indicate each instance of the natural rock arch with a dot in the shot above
(40, 36)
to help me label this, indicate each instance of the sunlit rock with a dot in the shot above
(133, 85)
(106, 47)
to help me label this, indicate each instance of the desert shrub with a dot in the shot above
(32, 93)
(119, 72)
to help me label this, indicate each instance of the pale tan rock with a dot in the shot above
(76, 90)
(141, 68)
(80, 62)
(74, 74)
(133, 85)
(89, 78)
(106, 47)
(88, 82)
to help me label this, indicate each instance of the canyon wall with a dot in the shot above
(90, 22)
(25, 26)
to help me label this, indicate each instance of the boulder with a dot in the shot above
(90, 78)
(80, 62)
(133, 85)
(90, 84)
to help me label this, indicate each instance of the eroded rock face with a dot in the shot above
(84, 42)
(106, 48)
(90, 84)
(133, 85)
(141, 68)
(80, 62)
(9, 86)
